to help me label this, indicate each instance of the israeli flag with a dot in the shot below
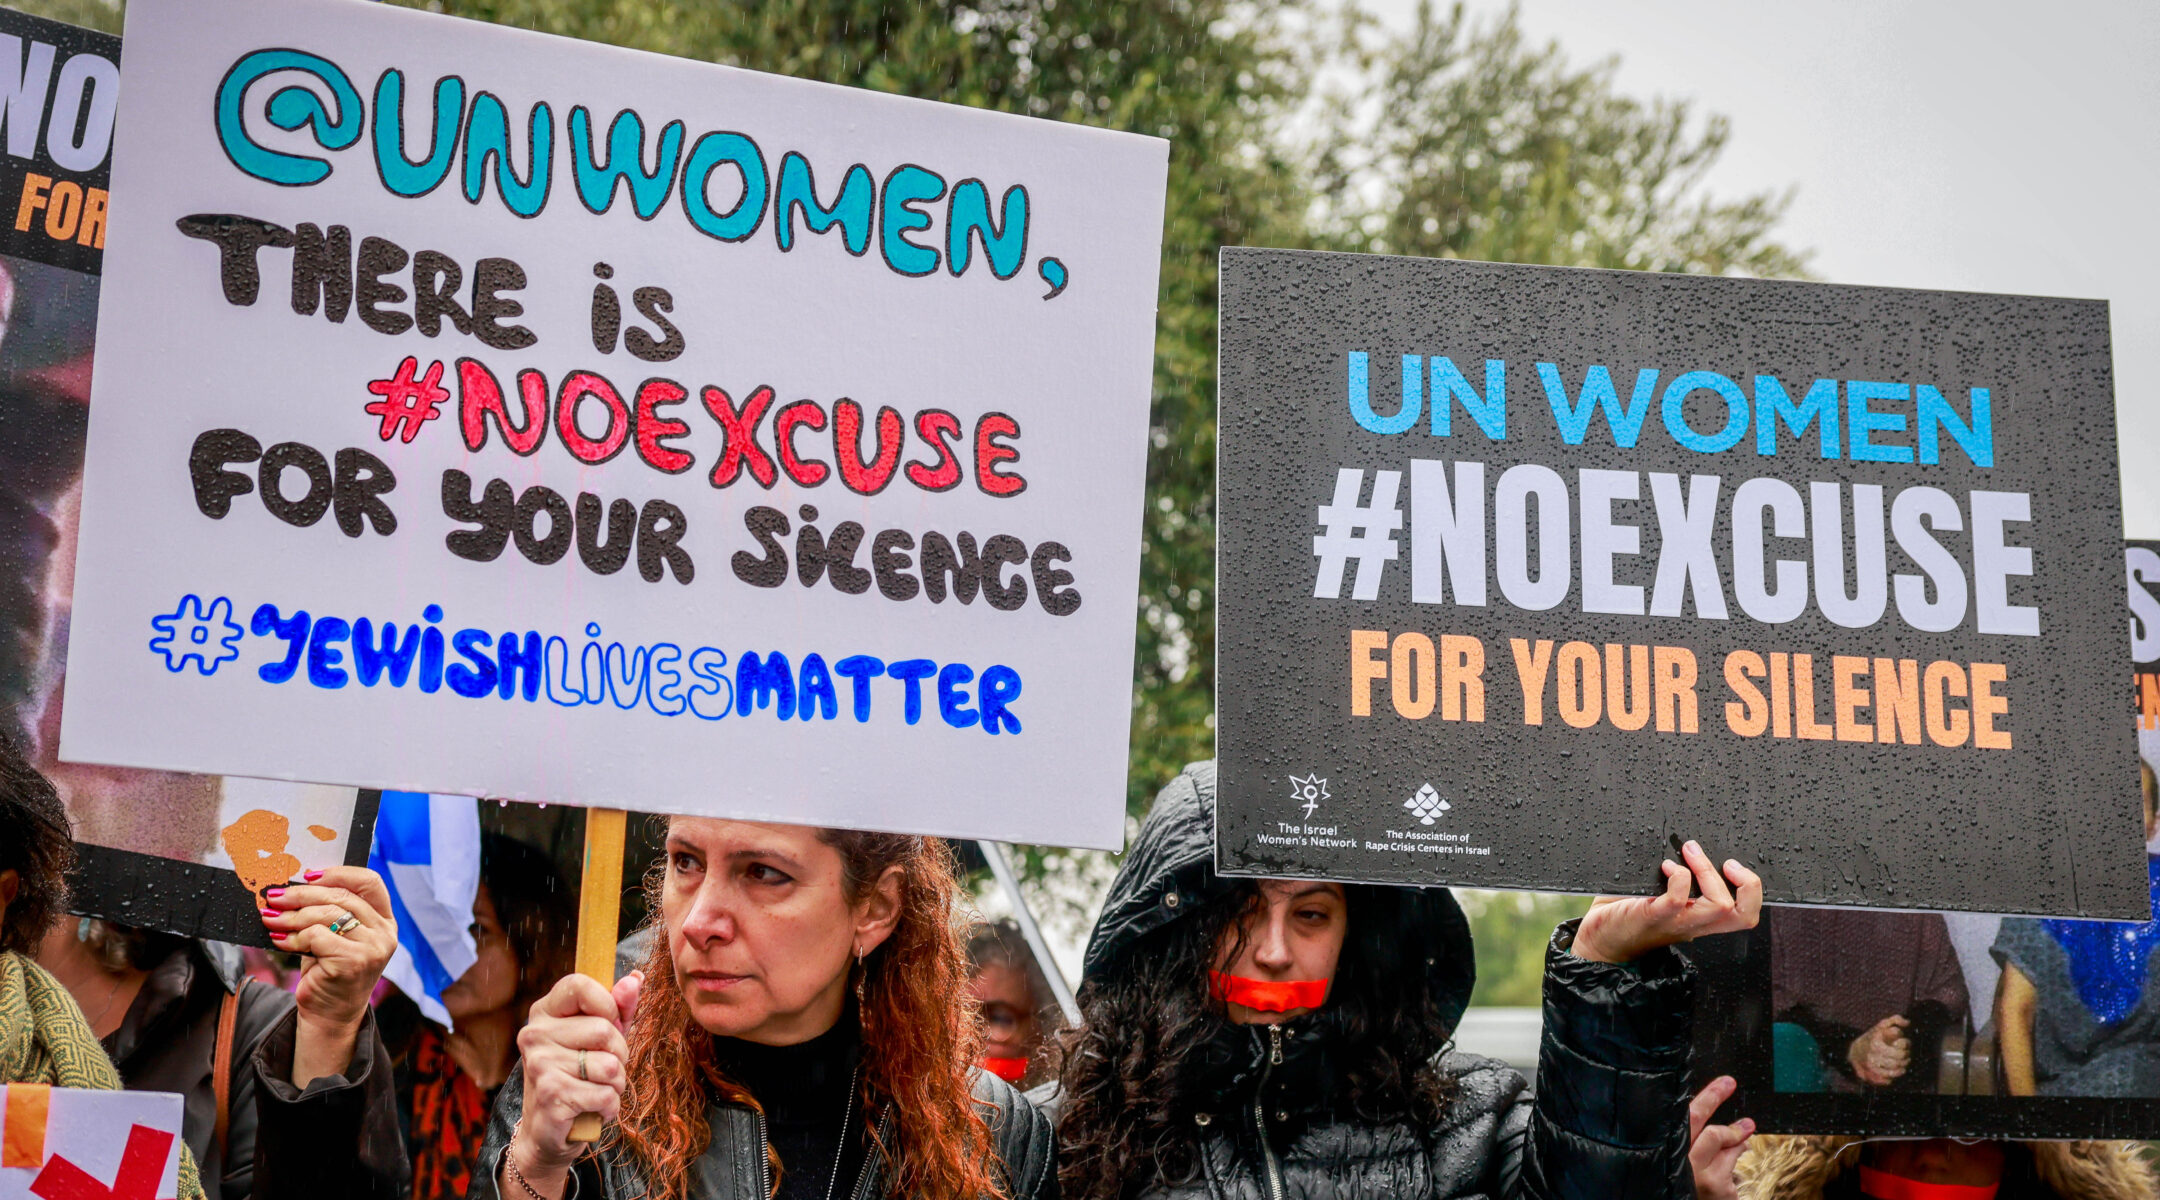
(427, 850)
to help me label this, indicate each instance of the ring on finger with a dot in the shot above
(344, 921)
(581, 1067)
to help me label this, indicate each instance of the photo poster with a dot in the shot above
(1528, 574)
(159, 849)
(1815, 1002)
(77, 1143)
(488, 413)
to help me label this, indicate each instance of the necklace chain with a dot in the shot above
(847, 1119)
(110, 996)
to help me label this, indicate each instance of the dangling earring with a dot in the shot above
(861, 972)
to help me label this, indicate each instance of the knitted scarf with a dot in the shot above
(44, 1039)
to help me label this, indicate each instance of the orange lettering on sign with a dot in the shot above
(1413, 674)
(1803, 690)
(1462, 678)
(1847, 697)
(34, 186)
(1628, 706)
(1946, 726)
(1364, 668)
(1750, 715)
(1897, 700)
(1780, 694)
(1675, 689)
(1531, 664)
(1582, 699)
(1986, 706)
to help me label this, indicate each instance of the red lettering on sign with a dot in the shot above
(847, 443)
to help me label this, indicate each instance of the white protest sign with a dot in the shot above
(78, 1144)
(484, 412)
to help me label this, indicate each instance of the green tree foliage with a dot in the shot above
(1457, 139)
(91, 14)
(1511, 929)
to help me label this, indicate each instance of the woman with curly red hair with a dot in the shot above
(798, 1030)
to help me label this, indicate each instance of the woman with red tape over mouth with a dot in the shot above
(1019, 1012)
(1268, 1039)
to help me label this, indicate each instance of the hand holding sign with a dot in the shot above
(1714, 1150)
(341, 920)
(573, 1052)
(1622, 930)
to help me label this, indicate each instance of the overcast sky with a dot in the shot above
(1977, 146)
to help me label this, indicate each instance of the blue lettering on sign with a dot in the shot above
(1878, 422)
(332, 653)
(472, 132)
(1597, 395)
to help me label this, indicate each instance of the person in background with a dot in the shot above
(1014, 998)
(43, 1037)
(524, 922)
(1835, 1168)
(1864, 998)
(2076, 1011)
(799, 1031)
(1291, 1037)
(287, 1094)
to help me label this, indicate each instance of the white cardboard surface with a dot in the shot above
(176, 358)
(120, 1140)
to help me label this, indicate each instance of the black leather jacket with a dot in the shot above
(733, 1167)
(1608, 1122)
(338, 1138)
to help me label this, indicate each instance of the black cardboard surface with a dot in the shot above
(188, 898)
(1311, 789)
(52, 208)
(1957, 1085)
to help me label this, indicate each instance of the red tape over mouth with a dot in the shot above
(1267, 995)
(1011, 1070)
(1881, 1186)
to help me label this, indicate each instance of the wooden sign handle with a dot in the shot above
(599, 909)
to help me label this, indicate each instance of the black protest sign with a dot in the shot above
(59, 85)
(1930, 1024)
(1527, 573)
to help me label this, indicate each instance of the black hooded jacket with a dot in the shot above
(1609, 1120)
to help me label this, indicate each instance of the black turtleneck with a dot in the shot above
(804, 1091)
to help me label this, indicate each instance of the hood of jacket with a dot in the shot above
(1169, 871)
(1801, 1168)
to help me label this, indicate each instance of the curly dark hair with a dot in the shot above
(1129, 1076)
(36, 843)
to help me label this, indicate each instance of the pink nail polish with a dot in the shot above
(271, 912)
(312, 876)
(276, 936)
(275, 892)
